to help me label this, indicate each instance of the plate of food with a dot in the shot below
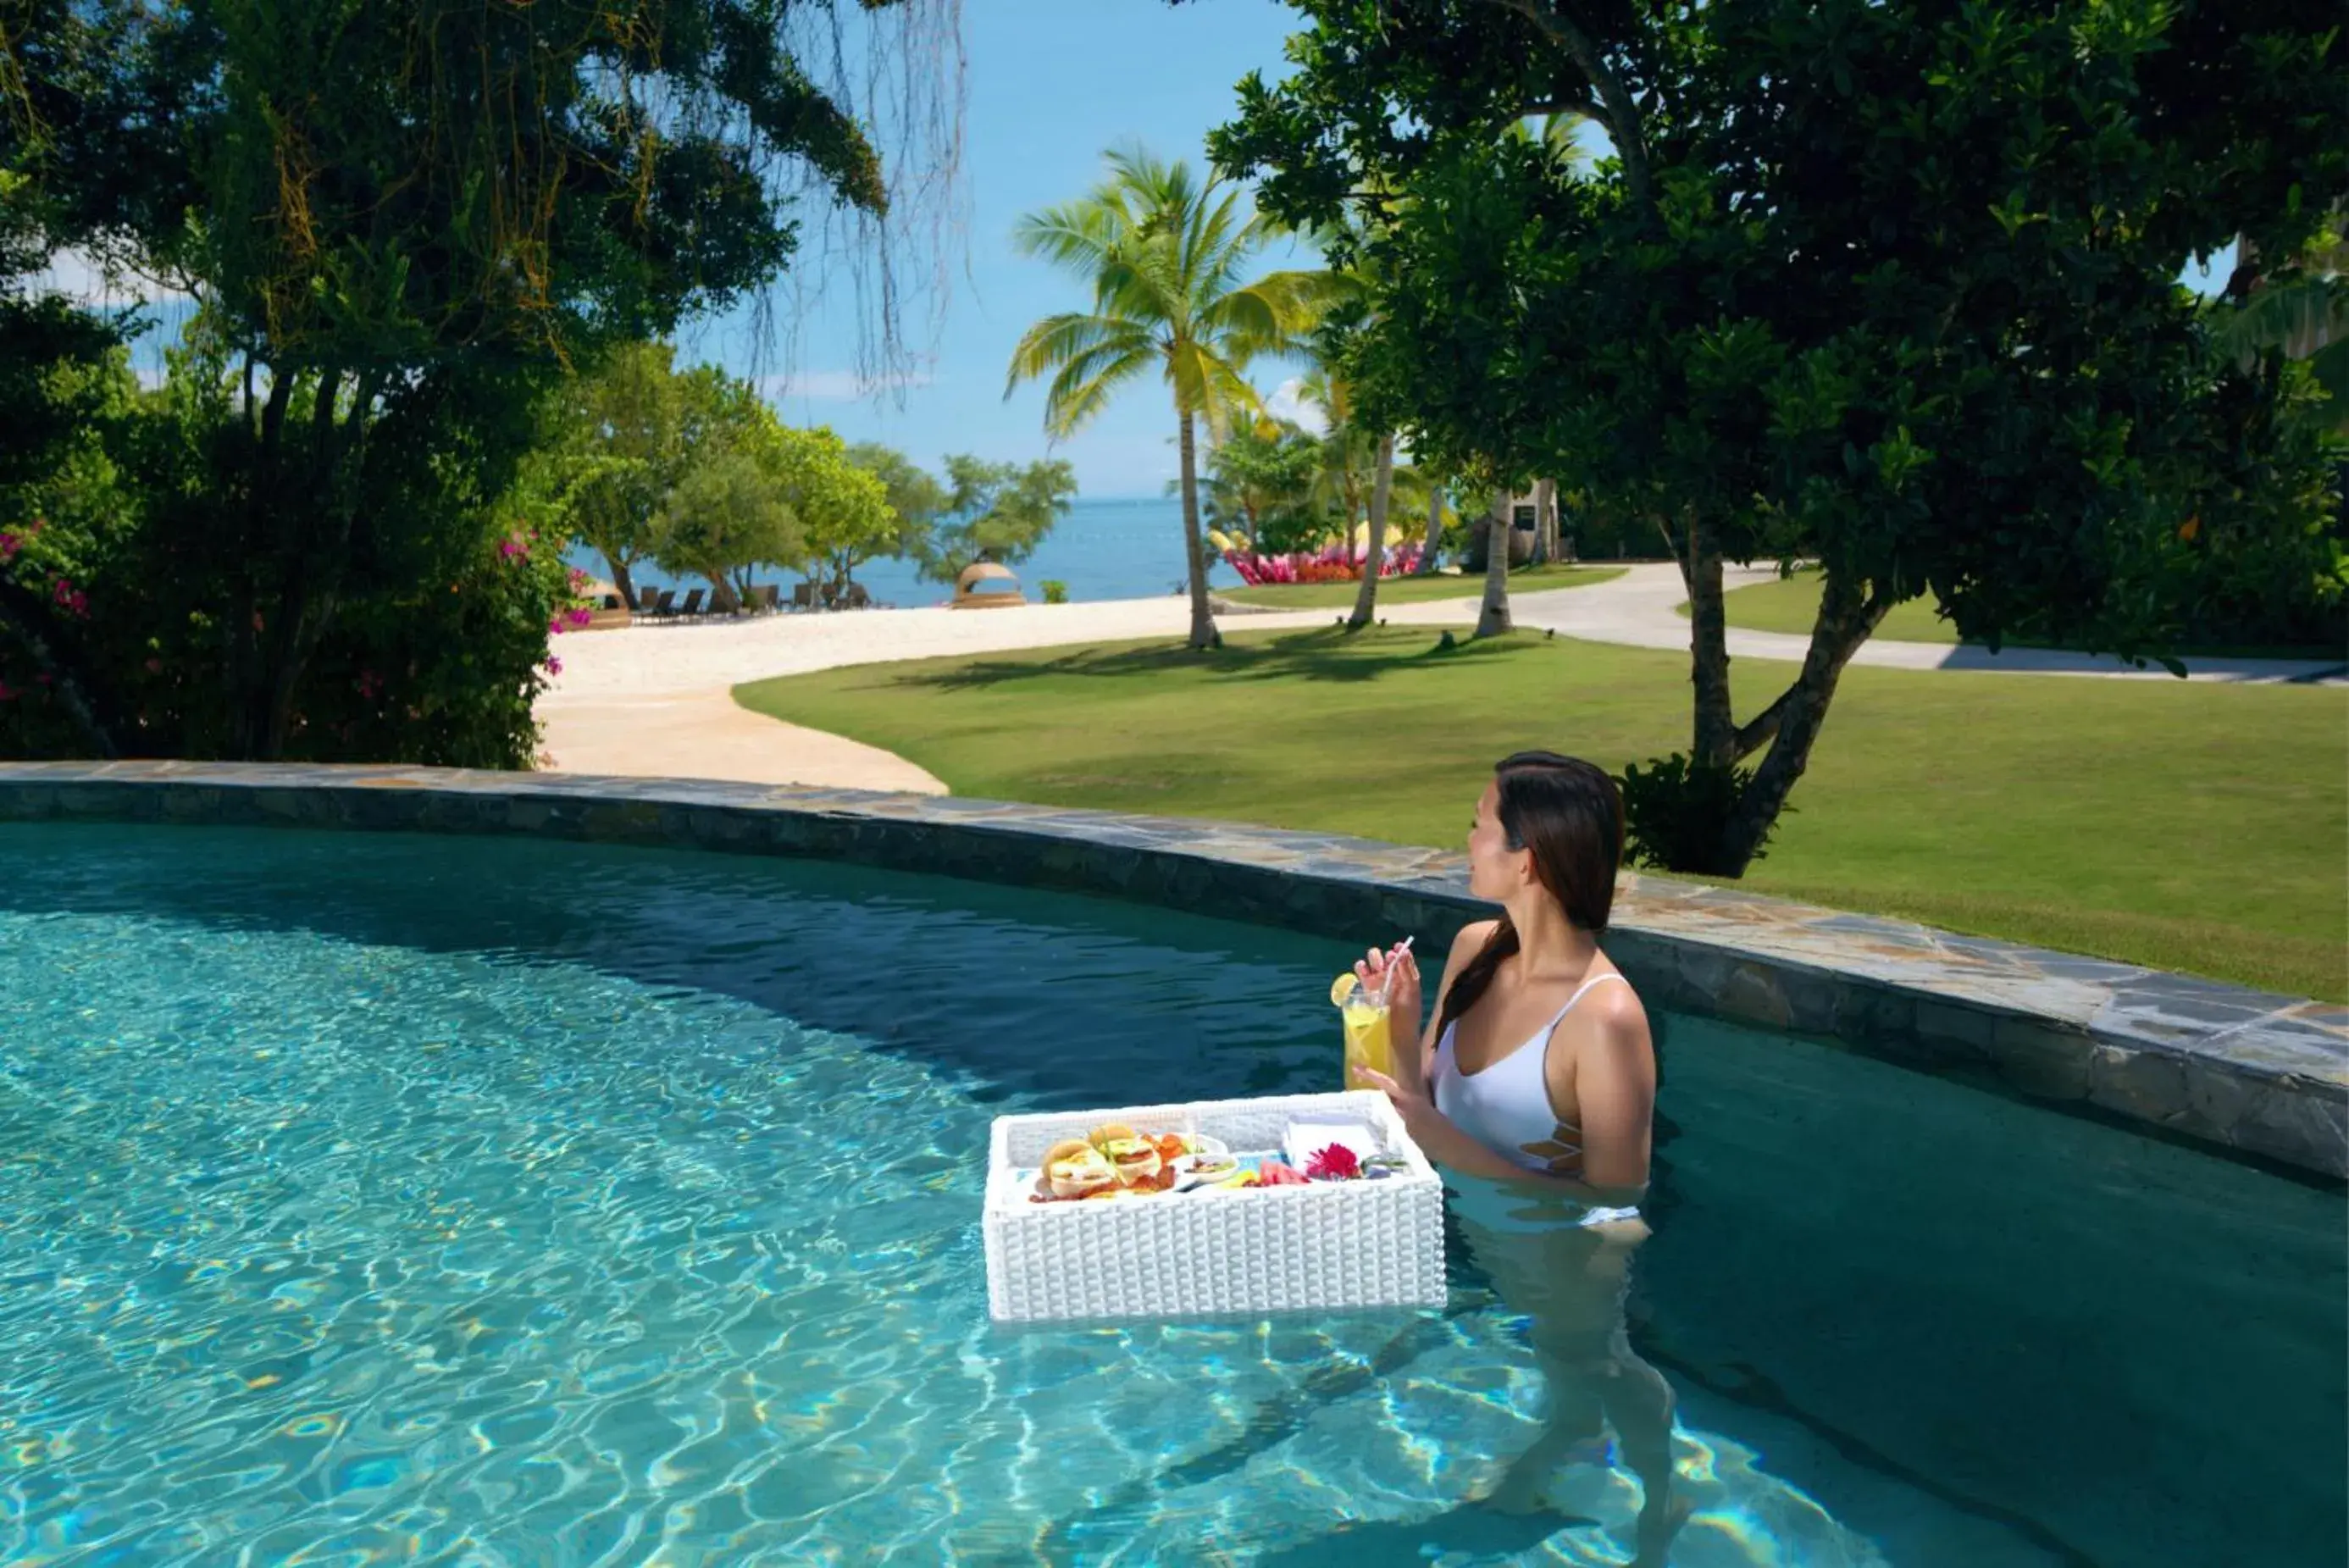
(1114, 1161)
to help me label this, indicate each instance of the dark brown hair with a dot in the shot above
(1570, 815)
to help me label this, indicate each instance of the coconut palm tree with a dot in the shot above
(1493, 616)
(1165, 253)
(1358, 478)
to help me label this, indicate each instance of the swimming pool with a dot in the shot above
(392, 1198)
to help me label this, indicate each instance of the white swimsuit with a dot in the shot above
(1506, 1105)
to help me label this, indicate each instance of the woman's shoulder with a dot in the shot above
(1615, 1007)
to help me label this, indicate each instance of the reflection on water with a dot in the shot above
(417, 1199)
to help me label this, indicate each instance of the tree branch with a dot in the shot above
(1621, 116)
(1834, 639)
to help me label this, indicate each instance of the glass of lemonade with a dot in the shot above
(1370, 1042)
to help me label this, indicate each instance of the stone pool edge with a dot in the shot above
(2249, 1071)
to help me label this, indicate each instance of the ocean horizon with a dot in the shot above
(1103, 548)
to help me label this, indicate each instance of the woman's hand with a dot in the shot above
(1411, 1102)
(1397, 971)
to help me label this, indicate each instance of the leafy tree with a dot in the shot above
(618, 452)
(1164, 254)
(724, 520)
(914, 496)
(405, 219)
(1890, 284)
(993, 511)
(1259, 484)
(842, 509)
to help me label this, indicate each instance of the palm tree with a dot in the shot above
(1358, 474)
(1492, 615)
(1430, 551)
(1164, 254)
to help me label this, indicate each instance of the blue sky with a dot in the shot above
(1051, 84)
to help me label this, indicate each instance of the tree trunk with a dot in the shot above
(1545, 534)
(1716, 722)
(722, 601)
(1366, 599)
(1204, 635)
(1435, 540)
(1493, 619)
(1791, 724)
(621, 580)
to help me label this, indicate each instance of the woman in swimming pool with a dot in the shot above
(1535, 1087)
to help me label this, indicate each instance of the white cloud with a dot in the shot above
(833, 386)
(1288, 402)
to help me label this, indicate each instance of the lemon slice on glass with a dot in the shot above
(1341, 988)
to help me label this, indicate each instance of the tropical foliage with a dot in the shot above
(992, 511)
(1883, 283)
(1165, 255)
(402, 223)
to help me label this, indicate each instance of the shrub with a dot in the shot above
(1675, 814)
(1055, 590)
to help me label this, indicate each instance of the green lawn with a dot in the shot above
(1792, 605)
(2193, 827)
(1415, 590)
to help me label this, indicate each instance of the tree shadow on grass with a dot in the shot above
(1330, 655)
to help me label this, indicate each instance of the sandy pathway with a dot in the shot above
(657, 701)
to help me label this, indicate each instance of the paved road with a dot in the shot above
(1641, 608)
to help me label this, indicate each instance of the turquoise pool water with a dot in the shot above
(399, 1199)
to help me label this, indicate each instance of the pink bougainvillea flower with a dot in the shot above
(62, 591)
(154, 666)
(10, 545)
(80, 604)
(580, 617)
(7, 692)
(554, 666)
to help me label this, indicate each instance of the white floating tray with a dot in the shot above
(1329, 1245)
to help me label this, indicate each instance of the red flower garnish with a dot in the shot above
(1337, 1162)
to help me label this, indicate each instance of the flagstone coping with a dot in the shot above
(2249, 1071)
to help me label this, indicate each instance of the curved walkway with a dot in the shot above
(1641, 608)
(652, 702)
(657, 701)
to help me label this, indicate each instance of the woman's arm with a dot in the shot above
(1465, 946)
(1612, 1082)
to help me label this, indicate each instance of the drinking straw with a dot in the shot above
(1386, 974)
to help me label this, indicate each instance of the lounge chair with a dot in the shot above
(770, 596)
(647, 601)
(691, 607)
(660, 610)
(856, 598)
(803, 595)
